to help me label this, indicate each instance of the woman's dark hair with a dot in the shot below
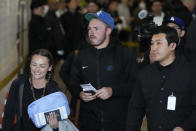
(171, 34)
(45, 53)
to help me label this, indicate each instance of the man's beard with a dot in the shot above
(99, 42)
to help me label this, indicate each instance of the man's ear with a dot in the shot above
(173, 46)
(182, 33)
(109, 31)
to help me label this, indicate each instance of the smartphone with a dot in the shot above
(90, 91)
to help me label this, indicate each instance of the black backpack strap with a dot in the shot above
(18, 126)
(21, 88)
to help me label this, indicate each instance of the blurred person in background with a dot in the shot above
(179, 26)
(124, 11)
(181, 11)
(126, 18)
(157, 12)
(190, 5)
(71, 21)
(103, 3)
(90, 7)
(56, 39)
(38, 29)
(190, 41)
(62, 8)
(112, 9)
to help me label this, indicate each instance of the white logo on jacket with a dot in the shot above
(84, 67)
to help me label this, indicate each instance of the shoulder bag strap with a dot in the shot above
(21, 88)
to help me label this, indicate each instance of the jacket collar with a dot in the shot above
(168, 67)
(113, 43)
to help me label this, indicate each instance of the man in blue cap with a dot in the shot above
(110, 69)
(177, 24)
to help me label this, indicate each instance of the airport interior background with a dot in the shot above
(14, 19)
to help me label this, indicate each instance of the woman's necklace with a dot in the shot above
(32, 89)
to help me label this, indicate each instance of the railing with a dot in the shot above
(10, 76)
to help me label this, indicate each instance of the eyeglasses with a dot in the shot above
(176, 28)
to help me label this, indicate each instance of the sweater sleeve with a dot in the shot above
(136, 110)
(75, 78)
(190, 123)
(128, 61)
(10, 108)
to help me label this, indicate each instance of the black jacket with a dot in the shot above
(57, 33)
(113, 66)
(72, 24)
(190, 46)
(38, 33)
(154, 85)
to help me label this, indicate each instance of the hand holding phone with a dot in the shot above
(87, 96)
(88, 88)
(90, 91)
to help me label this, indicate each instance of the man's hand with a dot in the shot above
(86, 97)
(104, 93)
(178, 129)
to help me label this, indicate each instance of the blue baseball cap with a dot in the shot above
(175, 20)
(103, 16)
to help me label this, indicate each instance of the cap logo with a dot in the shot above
(99, 13)
(172, 19)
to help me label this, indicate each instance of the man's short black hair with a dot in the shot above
(88, 1)
(157, 1)
(171, 34)
(37, 3)
(67, 1)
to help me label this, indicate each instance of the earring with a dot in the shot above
(49, 75)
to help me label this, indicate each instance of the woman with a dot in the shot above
(37, 84)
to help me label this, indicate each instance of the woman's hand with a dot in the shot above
(52, 119)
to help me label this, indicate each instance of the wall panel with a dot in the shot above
(14, 18)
